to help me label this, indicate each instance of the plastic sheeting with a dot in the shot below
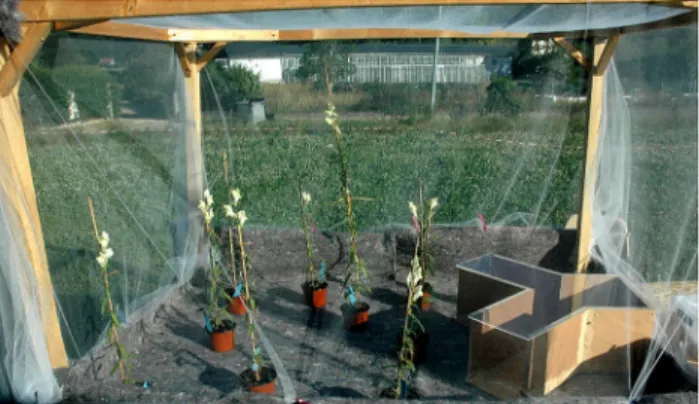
(503, 159)
(469, 19)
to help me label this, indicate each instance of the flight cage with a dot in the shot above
(495, 130)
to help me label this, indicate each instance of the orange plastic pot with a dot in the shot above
(266, 384)
(223, 341)
(236, 306)
(426, 299)
(317, 296)
(355, 317)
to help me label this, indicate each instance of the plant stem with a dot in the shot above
(251, 326)
(309, 240)
(406, 357)
(113, 328)
(230, 232)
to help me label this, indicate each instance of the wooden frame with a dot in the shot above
(69, 10)
(94, 17)
(22, 199)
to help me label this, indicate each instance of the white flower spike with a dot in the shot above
(433, 203)
(228, 211)
(242, 217)
(413, 208)
(208, 198)
(306, 197)
(235, 195)
(104, 240)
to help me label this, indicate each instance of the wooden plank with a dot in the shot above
(210, 54)
(612, 335)
(117, 30)
(14, 67)
(554, 354)
(53, 10)
(385, 33)
(595, 99)
(221, 35)
(16, 170)
(573, 52)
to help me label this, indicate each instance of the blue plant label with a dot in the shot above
(207, 322)
(403, 389)
(145, 384)
(350, 295)
(238, 289)
(254, 367)
(321, 273)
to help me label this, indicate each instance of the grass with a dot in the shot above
(494, 165)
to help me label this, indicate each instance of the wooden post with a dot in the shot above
(16, 178)
(194, 162)
(595, 98)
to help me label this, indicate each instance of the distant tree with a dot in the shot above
(231, 84)
(324, 63)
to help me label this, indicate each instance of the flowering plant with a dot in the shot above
(112, 338)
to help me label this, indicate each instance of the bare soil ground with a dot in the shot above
(325, 363)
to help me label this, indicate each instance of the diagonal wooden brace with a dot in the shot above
(22, 55)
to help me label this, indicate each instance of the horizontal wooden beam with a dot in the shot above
(115, 28)
(66, 10)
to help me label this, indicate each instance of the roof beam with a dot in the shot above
(69, 10)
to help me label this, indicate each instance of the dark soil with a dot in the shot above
(325, 363)
(390, 393)
(226, 325)
(267, 375)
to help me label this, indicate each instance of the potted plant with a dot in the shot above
(413, 338)
(355, 312)
(422, 223)
(237, 294)
(123, 360)
(258, 378)
(219, 323)
(315, 287)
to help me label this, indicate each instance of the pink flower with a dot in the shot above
(416, 225)
(482, 219)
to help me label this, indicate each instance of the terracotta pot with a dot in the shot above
(266, 384)
(316, 295)
(236, 306)
(223, 338)
(420, 342)
(355, 317)
(425, 302)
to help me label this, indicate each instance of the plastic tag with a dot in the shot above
(321, 272)
(209, 327)
(254, 367)
(238, 289)
(350, 295)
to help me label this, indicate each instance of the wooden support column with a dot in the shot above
(187, 53)
(16, 179)
(603, 51)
